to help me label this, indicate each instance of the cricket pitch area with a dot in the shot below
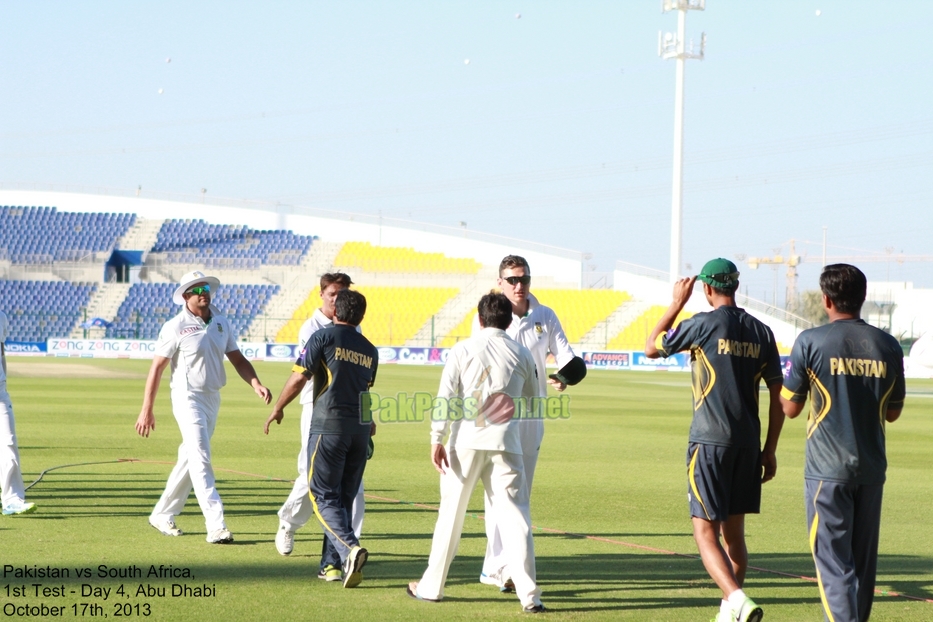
(612, 533)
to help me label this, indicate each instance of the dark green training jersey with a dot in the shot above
(730, 353)
(343, 365)
(854, 373)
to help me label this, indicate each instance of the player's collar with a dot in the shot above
(532, 303)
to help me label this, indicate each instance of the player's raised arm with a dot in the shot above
(146, 420)
(683, 289)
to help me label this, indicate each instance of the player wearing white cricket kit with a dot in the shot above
(537, 328)
(297, 509)
(490, 369)
(11, 477)
(194, 342)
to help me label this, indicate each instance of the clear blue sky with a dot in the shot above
(558, 130)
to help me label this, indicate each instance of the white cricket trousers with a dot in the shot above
(196, 414)
(11, 477)
(531, 433)
(502, 476)
(297, 509)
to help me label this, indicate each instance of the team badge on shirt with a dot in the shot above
(538, 328)
(220, 328)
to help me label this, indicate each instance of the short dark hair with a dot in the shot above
(495, 311)
(513, 261)
(339, 278)
(350, 307)
(722, 291)
(845, 286)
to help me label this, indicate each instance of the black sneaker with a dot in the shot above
(532, 608)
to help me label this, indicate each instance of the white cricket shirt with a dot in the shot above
(488, 363)
(196, 349)
(539, 331)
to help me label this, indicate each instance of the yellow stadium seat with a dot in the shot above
(634, 335)
(579, 310)
(364, 256)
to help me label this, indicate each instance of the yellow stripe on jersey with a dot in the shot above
(318, 391)
(787, 394)
(704, 377)
(298, 369)
(820, 403)
(883, 405)
(757, 380)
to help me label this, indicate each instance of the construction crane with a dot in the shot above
(792, 260)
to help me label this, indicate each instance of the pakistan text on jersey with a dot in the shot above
(739, 348)
(858, 367)
(352, 356)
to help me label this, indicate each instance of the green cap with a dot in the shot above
(720, 273)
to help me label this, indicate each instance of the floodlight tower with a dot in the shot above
(674, 46)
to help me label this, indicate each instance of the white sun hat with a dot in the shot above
(190, 279)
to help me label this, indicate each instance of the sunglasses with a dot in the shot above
(200, 289)
(724, 277)
(515, 280)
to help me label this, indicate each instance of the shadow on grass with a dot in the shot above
(577, 583)
(603, 581)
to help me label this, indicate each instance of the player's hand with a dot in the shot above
(145, 422)
(556, 384)
(275, 416)
(372, 429)
(439, 458)
(768, 465)
(683, 289)
(263, 392)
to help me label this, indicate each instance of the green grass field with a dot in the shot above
(613, 472)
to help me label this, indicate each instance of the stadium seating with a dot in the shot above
(149, 305)
(368, 258)
(43, 234)
(289, 332)
(233, 247)
(460, 332)
(579, 310)
(393, 314)
(634, 335)
(39, 310)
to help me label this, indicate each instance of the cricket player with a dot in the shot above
(731, 353)
(194, 342)
(854, 374)
(297, 509)
(484, 375)
(343, 364)
(11, 477)
(536, 327)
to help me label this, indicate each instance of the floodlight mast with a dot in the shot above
(671, 46)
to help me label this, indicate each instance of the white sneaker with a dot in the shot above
(18, 507)
(284, 540)
(749, 612)
(166, 527)
(220, 536)
(724, 616)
